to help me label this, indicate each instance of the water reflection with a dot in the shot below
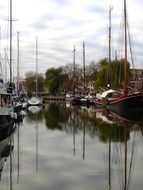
(34, 112)
(110, 128)
(76, 148)
(56, 115)
(120, 130)
(95, 123)
(92, 122)
(6, 148)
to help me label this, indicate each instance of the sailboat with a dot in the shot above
(81, 100)
(74, 100)
(7, 114)
(35, 100)
(127, 101)
(17, 100)
(100, 98)
(87, 99)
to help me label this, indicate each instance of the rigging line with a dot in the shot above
(105, 52)
(119, 41)
(131, 52)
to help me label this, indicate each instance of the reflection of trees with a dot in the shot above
(56, 115)
(96, 127)
(73, 119)
(116, 133)
(104, 131)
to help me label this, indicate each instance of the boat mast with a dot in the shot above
(36, 64)
(84, 68)
(74, 70)
(126, 62)
(0, 54)
(109, 74)
(18, 63)
(10, 43)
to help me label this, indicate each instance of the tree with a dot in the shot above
(54, 80)
(112, 73)
(101, 80)
(30, 82)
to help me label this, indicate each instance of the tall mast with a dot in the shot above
(74, 70)
(84, 67)
(0, 48)
(109, 74)
(0, 55)
(18, 63)
(126, 62)
(6, 60)
(36, 64)
(10, 42)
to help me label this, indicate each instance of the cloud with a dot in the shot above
(96, 9)
(61, 24)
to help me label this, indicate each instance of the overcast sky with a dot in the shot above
(61, 24)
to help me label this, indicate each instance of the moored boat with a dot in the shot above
(35, 101)
(7, 114)
(123, 100)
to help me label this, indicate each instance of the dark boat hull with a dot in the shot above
(17, 108)
(80, 101)
(75, 102)
(6, 121)
(128, 105)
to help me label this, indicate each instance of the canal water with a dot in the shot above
(69, 148)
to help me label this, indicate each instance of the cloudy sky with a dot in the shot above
(61, 24)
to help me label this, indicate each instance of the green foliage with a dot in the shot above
(54, 80)
(101, 80)
(112, 73)
(30, 82)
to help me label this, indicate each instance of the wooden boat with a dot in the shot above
(125, 100)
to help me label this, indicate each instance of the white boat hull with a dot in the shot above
(34, 101)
